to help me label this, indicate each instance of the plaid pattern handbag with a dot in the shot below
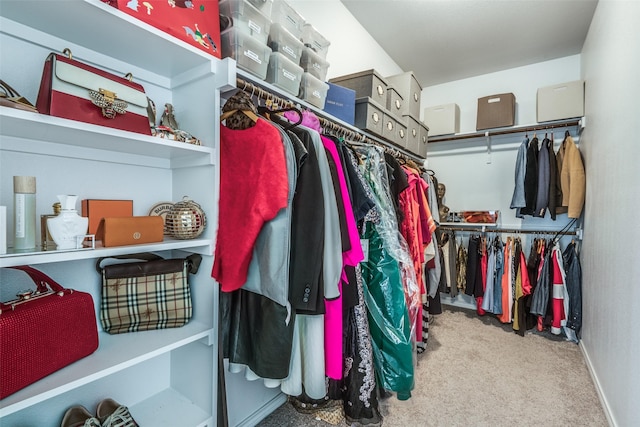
(151, 294)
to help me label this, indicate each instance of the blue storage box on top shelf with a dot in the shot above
(341, 103)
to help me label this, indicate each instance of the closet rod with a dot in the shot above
(475, 229)
(519, 129)
(327, 123)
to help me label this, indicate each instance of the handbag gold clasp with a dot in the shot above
(67, 52)
(108, 95)
(108, 101)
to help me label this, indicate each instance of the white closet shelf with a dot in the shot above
(56, 136)
(201, 246)
(531, 128)
(115, 353)
(99, 27)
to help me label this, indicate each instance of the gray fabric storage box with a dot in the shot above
(561, 101)
(424, 139)
(369, 115)
(409, 88)
(401, 133)
(366, 84)
(394, 102)
(414, 129)
(389, 127)
(496, 111)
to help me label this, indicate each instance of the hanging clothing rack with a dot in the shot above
(330, 125)
(517, 129)
(486, 229)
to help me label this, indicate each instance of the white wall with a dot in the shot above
(611, 286)
(352, 47)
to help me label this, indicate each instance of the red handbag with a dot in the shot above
(43, 331)
(73, 90)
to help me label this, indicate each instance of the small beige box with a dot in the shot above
(561, 101)
(442, 119)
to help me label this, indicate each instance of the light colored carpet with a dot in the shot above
(477, 372)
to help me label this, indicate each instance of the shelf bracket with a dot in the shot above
(488, 137)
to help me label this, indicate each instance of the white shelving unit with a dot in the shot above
(166, 377)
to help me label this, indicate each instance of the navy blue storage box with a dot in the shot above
(341, 103)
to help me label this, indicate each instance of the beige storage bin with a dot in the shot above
(442, 119)
(369, 115)
(561, 101)
(367, 84)
(409, 88)
(496, 111)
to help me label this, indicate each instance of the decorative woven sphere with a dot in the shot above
(185, 220)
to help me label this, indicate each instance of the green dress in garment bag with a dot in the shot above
(389, 322)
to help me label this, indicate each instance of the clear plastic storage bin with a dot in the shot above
(284, 74)
(316, 41)
(287, 16)
(265, 6)
(281, 40)
(246, 18)
(313, 90)
(314, 64)
(250, 54)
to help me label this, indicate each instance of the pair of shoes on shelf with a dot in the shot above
(109, 413)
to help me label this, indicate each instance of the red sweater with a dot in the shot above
(253, 188)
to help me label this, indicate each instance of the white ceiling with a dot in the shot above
(446, 40)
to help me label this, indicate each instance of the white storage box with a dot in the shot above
(561, 101)
(287, 16)
(284, 74)
(316, 41)
(314, 64)
(250, 54)
(442, 119)
(281, 40)
(246, 18)
(313, 90)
